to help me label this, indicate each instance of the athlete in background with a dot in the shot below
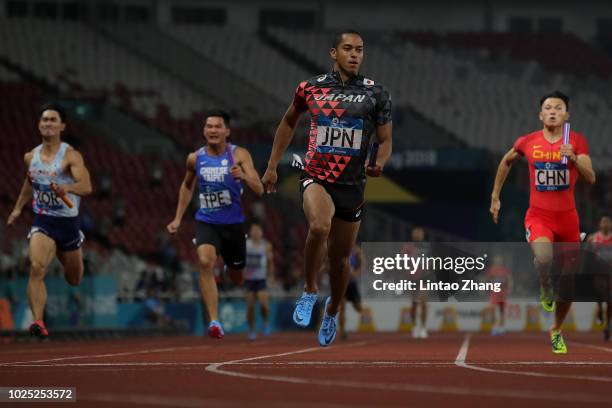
(352, 290)
(259, 265)
(603, 241)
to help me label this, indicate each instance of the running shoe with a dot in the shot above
(266, 330)
(546, 299)
(423, 333)
(558, 345)
(606, 333)
(39, 330)
(303, 309)
(252, 336)
(327, 331)
(215, 330)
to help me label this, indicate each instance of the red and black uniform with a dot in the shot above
(552, 209)
(344, 116)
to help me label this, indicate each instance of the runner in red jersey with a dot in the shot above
(346, 110)
(499, 273)
(603, 247)
(552, 215)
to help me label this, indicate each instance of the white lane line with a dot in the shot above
(129, 353)
(461, 357)
(382, 364)
(423, 388)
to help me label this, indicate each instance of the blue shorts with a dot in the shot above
(63, 230)
(255, 285)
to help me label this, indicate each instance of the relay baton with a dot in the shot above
(230, 155)
(373, 155)
(566, 133)
(63, 195)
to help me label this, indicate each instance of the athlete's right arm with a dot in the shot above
(24, 195)
(185, 194)
(500, 178)
(282, 139)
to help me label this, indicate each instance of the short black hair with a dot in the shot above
(54, 107)
(558, 95)
(338, 36)
(218, 113)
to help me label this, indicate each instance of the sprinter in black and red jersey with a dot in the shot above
(347, 109)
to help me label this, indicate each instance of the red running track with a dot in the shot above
(291, 370)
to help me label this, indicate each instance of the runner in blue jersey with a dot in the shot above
(56, 179)
(346, 109)
(220, 169)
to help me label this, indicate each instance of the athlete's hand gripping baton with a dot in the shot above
(566, 133)
(62, 194)
(373, 155)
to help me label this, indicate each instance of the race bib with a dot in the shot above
(254, 261)
(45, 197)
(551, 176)
(215, 199)
(341, 136)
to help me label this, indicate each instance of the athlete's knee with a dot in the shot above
(74, 278)
(543, 259)
(320, 228)
(37, 270)
(207, 262)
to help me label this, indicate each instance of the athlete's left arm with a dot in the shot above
(384, 131)
(80, 174)
(585, 167)
(245, 170)
(578, 154)
(385, 144)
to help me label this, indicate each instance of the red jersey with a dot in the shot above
(603, 246)
(552, 183)
(600, 238)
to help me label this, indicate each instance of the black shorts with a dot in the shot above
(348, 200)
(63, 230)
(229, 240)
(352, 292)
(255, 285)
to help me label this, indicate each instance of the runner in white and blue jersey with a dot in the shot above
(56, 179)
(259, 266)
(220, 169)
